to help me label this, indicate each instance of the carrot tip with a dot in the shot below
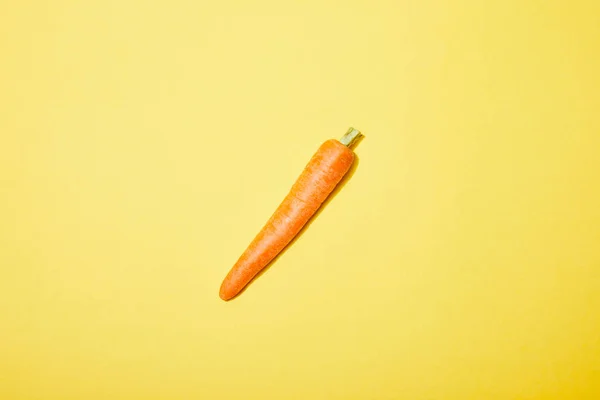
(224, 296)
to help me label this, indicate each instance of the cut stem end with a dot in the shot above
(350, 137)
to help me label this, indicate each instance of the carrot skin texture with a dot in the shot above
(320, 176)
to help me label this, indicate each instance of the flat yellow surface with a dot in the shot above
(144, 143)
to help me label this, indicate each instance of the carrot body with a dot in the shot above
(320, 176)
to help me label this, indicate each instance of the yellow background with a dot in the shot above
(143, 144)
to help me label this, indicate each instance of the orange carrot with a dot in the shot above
(323, 172)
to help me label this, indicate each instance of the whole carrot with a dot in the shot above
(320, 176)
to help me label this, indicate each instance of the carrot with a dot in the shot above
(320, 176)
